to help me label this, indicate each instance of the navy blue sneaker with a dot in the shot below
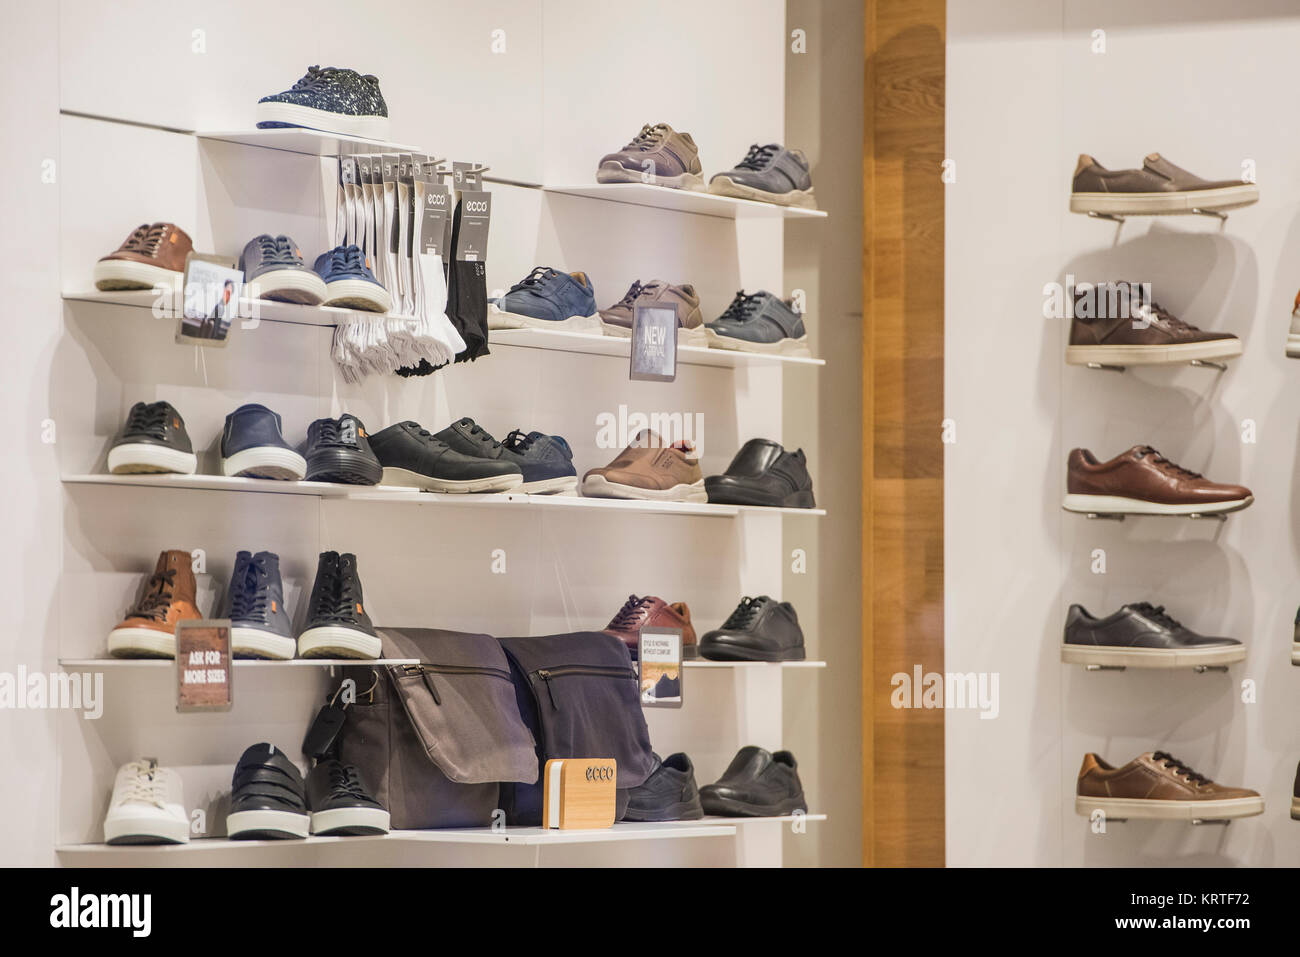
(259, 622)
(273, 268)
(349, 283)
(759, 322)
(253, 444)
(769, 174)
(338, 450)
(547, 299)
(331, 99)
(545, 460)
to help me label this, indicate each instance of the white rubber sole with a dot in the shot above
(597, 486)
(1116, 504)
(408, 479)
(1293, 345)
(1153, 355)
(335, 641)
(371, 127)
(782, 347)
(357, 294)
(124, 274)
(1295, 809)
(349, 819)
(551, 486)
(500, 319)
(143, 458)
(145, 828)
(278, 823)
(1161, 204)
(1295, 653)
(615, 173)
(1151, 657)
(726, 186)
(288, 285)
(260, 644)
(141, 643)
(1170, 810)
(266, 461)
(695, 336)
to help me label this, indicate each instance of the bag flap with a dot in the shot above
(461, 702)
(588, 699)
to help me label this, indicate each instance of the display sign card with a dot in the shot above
(654, 343)
(212, 291)
(660, 654)
(203, 666)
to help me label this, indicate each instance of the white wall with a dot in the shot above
(1198, 82)
(541, 111)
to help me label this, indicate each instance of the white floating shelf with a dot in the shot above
(262, 310)
(591, 344)
(296, 139)
(685, 201)
(705, 663)
(295, 663)
(397, 495)
(507, 837)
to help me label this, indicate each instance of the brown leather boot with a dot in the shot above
(647, 612)
(150, 256)
(149, 629)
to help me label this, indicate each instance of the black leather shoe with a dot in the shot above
(757, 783)
(337, 450)
(763, 473)
(760, 629)
(411, 455)
(668, 794)
(267, 798)
(340, 803)
(1141, 635)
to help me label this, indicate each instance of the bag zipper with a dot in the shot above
(410, 671)
(546, 674)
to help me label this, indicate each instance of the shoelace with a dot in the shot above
(277, 249)
(338, 600)
(745, 613)
(758, 157)
(146, 239)
(1182, 770)
(520, 441)
(742, 307)
(1164, 464)
(480, 434)
(632, 293)
(250, 600)
(1157, 613)
(157, 596)
(337, 432)
(539, 275)
(633, 610)
(344, 777)
(649, 137)
(315, 77)
(148, 420)
(145, 784)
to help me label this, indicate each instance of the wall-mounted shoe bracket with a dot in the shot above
(1199, 363)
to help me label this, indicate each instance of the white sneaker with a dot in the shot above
(147, 807)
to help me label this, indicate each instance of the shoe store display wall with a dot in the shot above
(414, 433)
(1119, 345)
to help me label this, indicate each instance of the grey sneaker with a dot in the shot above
(617, 319)
(658, 155)
(1159, 187)
(769, 174)
(759, 322)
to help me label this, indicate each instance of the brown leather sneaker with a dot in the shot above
(650, 612)
(150, 256)
(1158, 785)
(658, 155)
(149, 630)
(1114, 325)
(1159, 187)
(617, 319)
(1141, 481)
(647, 469)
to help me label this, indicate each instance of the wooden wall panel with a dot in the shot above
(902, 405)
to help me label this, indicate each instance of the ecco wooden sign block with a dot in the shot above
(579, 792)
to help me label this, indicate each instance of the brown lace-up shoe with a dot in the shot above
(149, 630)
(1112, 324)
(651, 612)
(1158, 785)
(647, 469)
(150, 256)
(1141, 481)
(658, 155)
